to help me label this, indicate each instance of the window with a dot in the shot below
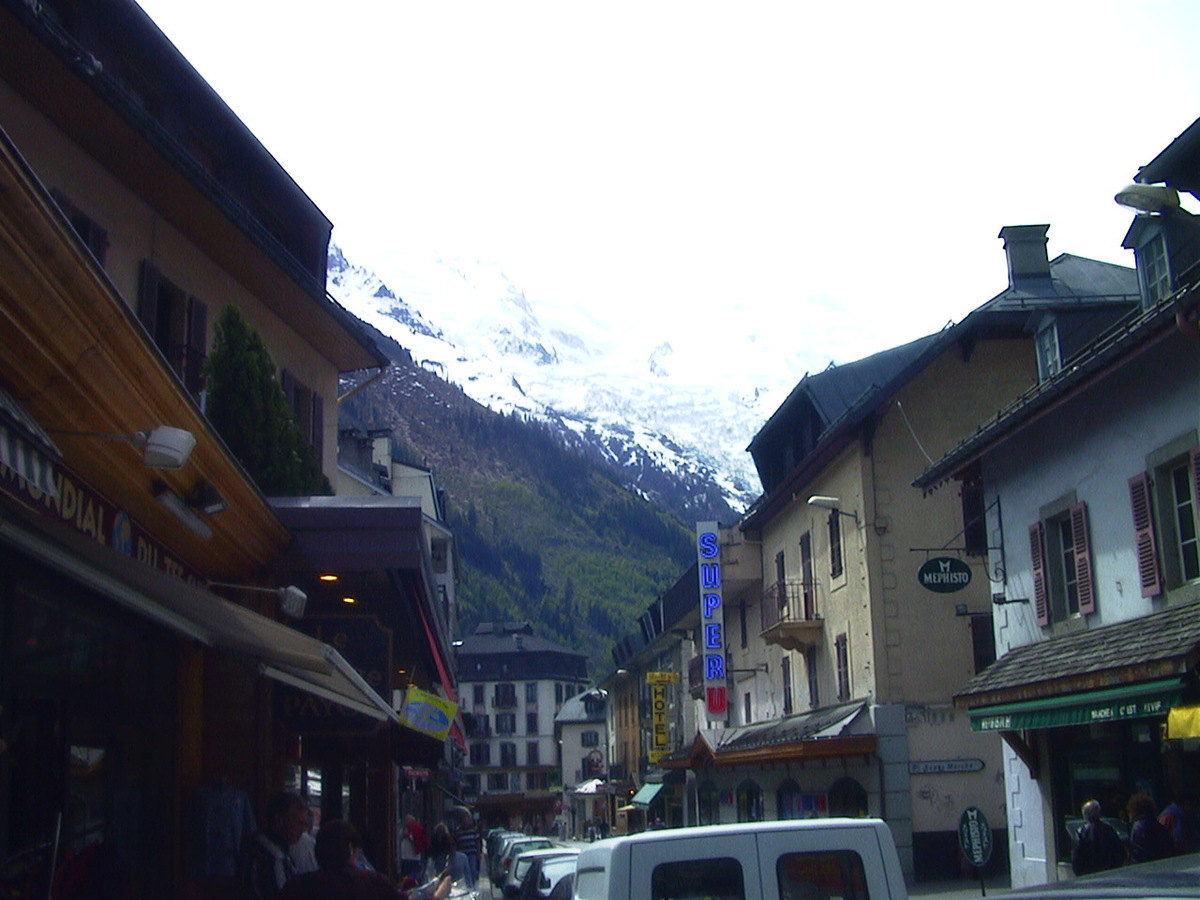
(477, 725)
(983, 642)
(531, 723)
(481, 755)
(1154, 269)
(828, 874)
(177, 323)
(742, 622)
(835, 543)
(497, 781)
(508, 754)
(531, 692)
(810, 667)
(477, 694)
(785, 669)
(747, 709)
(1164, 504)
(471, 782)
(693, 878)
(1046, 341)
(589, 739)
(90, 233)
(1061, 558)
(308, 408)
(974, 513)
(532, 753)
(781, 582)
(505, 696)
(842, 653)
(749, 801)
(506, 723)
(807, 585)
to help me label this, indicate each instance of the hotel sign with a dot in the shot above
(712, 618)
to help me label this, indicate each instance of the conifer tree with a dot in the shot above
(247, 407)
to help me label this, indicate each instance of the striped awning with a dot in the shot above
(24, 447)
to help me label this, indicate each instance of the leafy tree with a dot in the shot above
(247, 407)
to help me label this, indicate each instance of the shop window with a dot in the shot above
(841, 650)
(708, 803)
(835, 544)
(1164, 504)
(506, 723)
(1061, 557)
(178, 325)
(749, 801)
(847, 798)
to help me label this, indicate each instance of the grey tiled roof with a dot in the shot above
(1170, 636)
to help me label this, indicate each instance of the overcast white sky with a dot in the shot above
(838, 170)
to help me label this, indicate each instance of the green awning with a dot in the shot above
(1129, 701)
(646, 794)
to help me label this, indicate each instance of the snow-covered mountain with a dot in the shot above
(631, 395)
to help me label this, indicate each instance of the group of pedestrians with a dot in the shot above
(285, 861)
(1175, 830)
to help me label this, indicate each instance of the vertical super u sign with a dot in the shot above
(712, 620)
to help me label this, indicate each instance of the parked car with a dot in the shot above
(502, 843)
(514, 849)
(790, 860)
(545, 874)
(523, 862)
(1178, 876)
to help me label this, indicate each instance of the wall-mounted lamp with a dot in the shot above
(960, 609)
(831, 503)
(163, 447)
(1148, 197)
(181, 510)
(292, 600)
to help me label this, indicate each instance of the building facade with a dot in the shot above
(512, 685)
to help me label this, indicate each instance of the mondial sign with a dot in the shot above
(712, 617)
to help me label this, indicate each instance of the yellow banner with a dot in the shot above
(1183, 722)
(427, 713)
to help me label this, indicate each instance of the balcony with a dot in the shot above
(789, 615)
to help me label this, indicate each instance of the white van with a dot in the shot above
(810, 859)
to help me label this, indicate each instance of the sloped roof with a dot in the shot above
(1178, 164)
(1071, 278)
(575, 710)
(1155, 645)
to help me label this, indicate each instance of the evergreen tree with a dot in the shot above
(247, 407)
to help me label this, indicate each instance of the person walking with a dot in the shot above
(1148, 838)
(466, 838)
(414, 843)
(1098, 847)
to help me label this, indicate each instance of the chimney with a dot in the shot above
(1025, 247)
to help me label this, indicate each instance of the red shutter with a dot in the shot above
(1041, 599)
(1146, 544)
(1084, 580)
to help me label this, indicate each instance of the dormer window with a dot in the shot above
(1049, 360)
(1154, 269)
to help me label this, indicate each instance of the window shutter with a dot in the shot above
(148, 299)
(1084, 580)
(1145, 542)
(1041, 601)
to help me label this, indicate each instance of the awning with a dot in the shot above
(283, 653)
(591, 786)
(25, 447)
(1130, 701)
(646, 794)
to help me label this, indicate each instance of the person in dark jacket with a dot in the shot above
(266, 864)
(1097, 845)
(1149, 839)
